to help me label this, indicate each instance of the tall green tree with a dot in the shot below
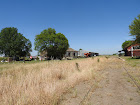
(13, 43)
(127, 43)
(135, 29)
(54, 43)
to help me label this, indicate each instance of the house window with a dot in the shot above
(136, 47)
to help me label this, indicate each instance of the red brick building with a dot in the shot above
(133, 50)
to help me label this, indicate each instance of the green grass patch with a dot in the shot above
(132, 61)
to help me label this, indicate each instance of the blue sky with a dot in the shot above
(94, 25)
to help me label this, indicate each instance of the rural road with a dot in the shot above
(114, 89)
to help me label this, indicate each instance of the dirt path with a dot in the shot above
(114, 89)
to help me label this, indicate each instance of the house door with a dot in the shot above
(68, 54)
(74, 54)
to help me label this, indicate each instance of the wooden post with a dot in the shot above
(9, 59)
(132, 51)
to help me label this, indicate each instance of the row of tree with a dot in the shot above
(14, 44)
(134, 31)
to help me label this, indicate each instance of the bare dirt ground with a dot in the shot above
(114, 89)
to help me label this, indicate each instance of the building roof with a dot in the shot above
(132, 46)
(128, 47)
(70, 49)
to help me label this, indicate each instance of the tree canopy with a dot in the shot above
(135, 29)
(54, 43)
(127, 44)
(13, 43)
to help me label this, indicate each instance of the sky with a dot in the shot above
(94, 25)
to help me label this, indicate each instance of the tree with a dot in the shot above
(127, 44)
(14, 44)
(135, 29)
(25, 47)
(54, 43)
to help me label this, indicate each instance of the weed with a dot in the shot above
(92, 74)
(107, 57)
(74, 93)
(98, 60)
(128, 80)
(131, 99)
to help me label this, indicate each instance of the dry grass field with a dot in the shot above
(45, 82)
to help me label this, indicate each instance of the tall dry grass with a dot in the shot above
(44, 83)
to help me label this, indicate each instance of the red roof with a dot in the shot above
(129, 48)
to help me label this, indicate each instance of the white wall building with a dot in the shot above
(71, 53)
(81, 52)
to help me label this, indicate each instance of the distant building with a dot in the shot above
(41, 58)
(93, 54)
(71, 53)
(34, 57)
(82, 53)
(133, 50)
